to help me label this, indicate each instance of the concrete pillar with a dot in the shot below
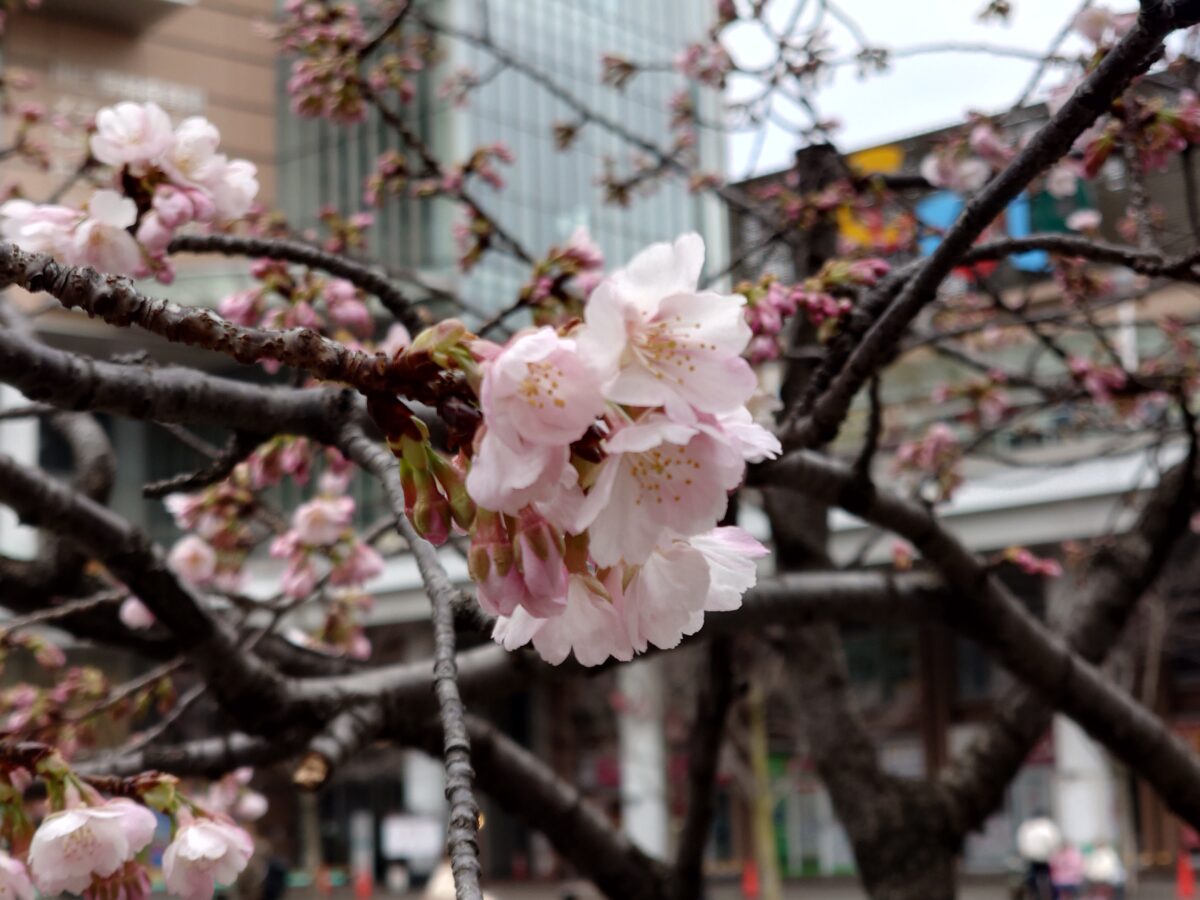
(1084, 792)
(643, 756)
(19, 439)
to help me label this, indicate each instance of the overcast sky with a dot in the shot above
(919, 93)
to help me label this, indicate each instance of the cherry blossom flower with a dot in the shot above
(14, 879)
(102, 240)
(250, 806)
(658, 341)
(204, 854)
(194, 559)
(39, 229)
(234, 189)
(321, 521)
(590, 626)
(132, 134)
(361, 564)
(660, 479)
(507, 478)
(191, 157)
(135, 614)
(72, 846)
(540, 391)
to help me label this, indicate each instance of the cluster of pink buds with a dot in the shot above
(321, 535)
(328, 38)
(221, 518)
(287, 299)
(564, 278)
(57, 713)
(1079, 282)
(457, 87)
(805, 210)
(1102, 382)
(1027, 562)
(163, 180)
(480, 164)
(824, 299)
(708, 63)
(988, 400)
(936, 455)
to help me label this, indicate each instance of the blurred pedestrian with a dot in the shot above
(1066, 872)
(1104, 873)
(1038, 839)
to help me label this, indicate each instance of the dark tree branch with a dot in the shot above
(241, 444)
(708, 731)
(986, 611)
(531, 792)
(456, 744)
(360, 275)
(1129, 58)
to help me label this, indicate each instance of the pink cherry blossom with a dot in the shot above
(730, 553)
(362, 563)
(39, 229)
(658, 341)
(173, 205)
(299, 578)
(538, 390)
(191, 158)
(660, 479)
(204, 854)
(250, 806)
(72, 846)
(234, 188)
(507, 478)
(322, 521)
(102, 240)
(14, 879)
(135, 614)
(590, 626)
(354, 315)
(665, 596)
(194, 559)
(133, 134)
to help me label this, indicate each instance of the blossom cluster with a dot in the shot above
(284, 298)
(564, 278)
(164, 179)
(97, 847)
(936, 455)
(824, 299)
(330, 41)
(604, 462)
(1102, 382)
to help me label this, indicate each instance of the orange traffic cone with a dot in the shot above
(750, 879)
(364, 885)
(1185, 878)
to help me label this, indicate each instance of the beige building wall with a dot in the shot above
(207, 57)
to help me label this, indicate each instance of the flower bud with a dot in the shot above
(452, 478)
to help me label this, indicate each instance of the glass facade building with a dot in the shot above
(548, 192)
